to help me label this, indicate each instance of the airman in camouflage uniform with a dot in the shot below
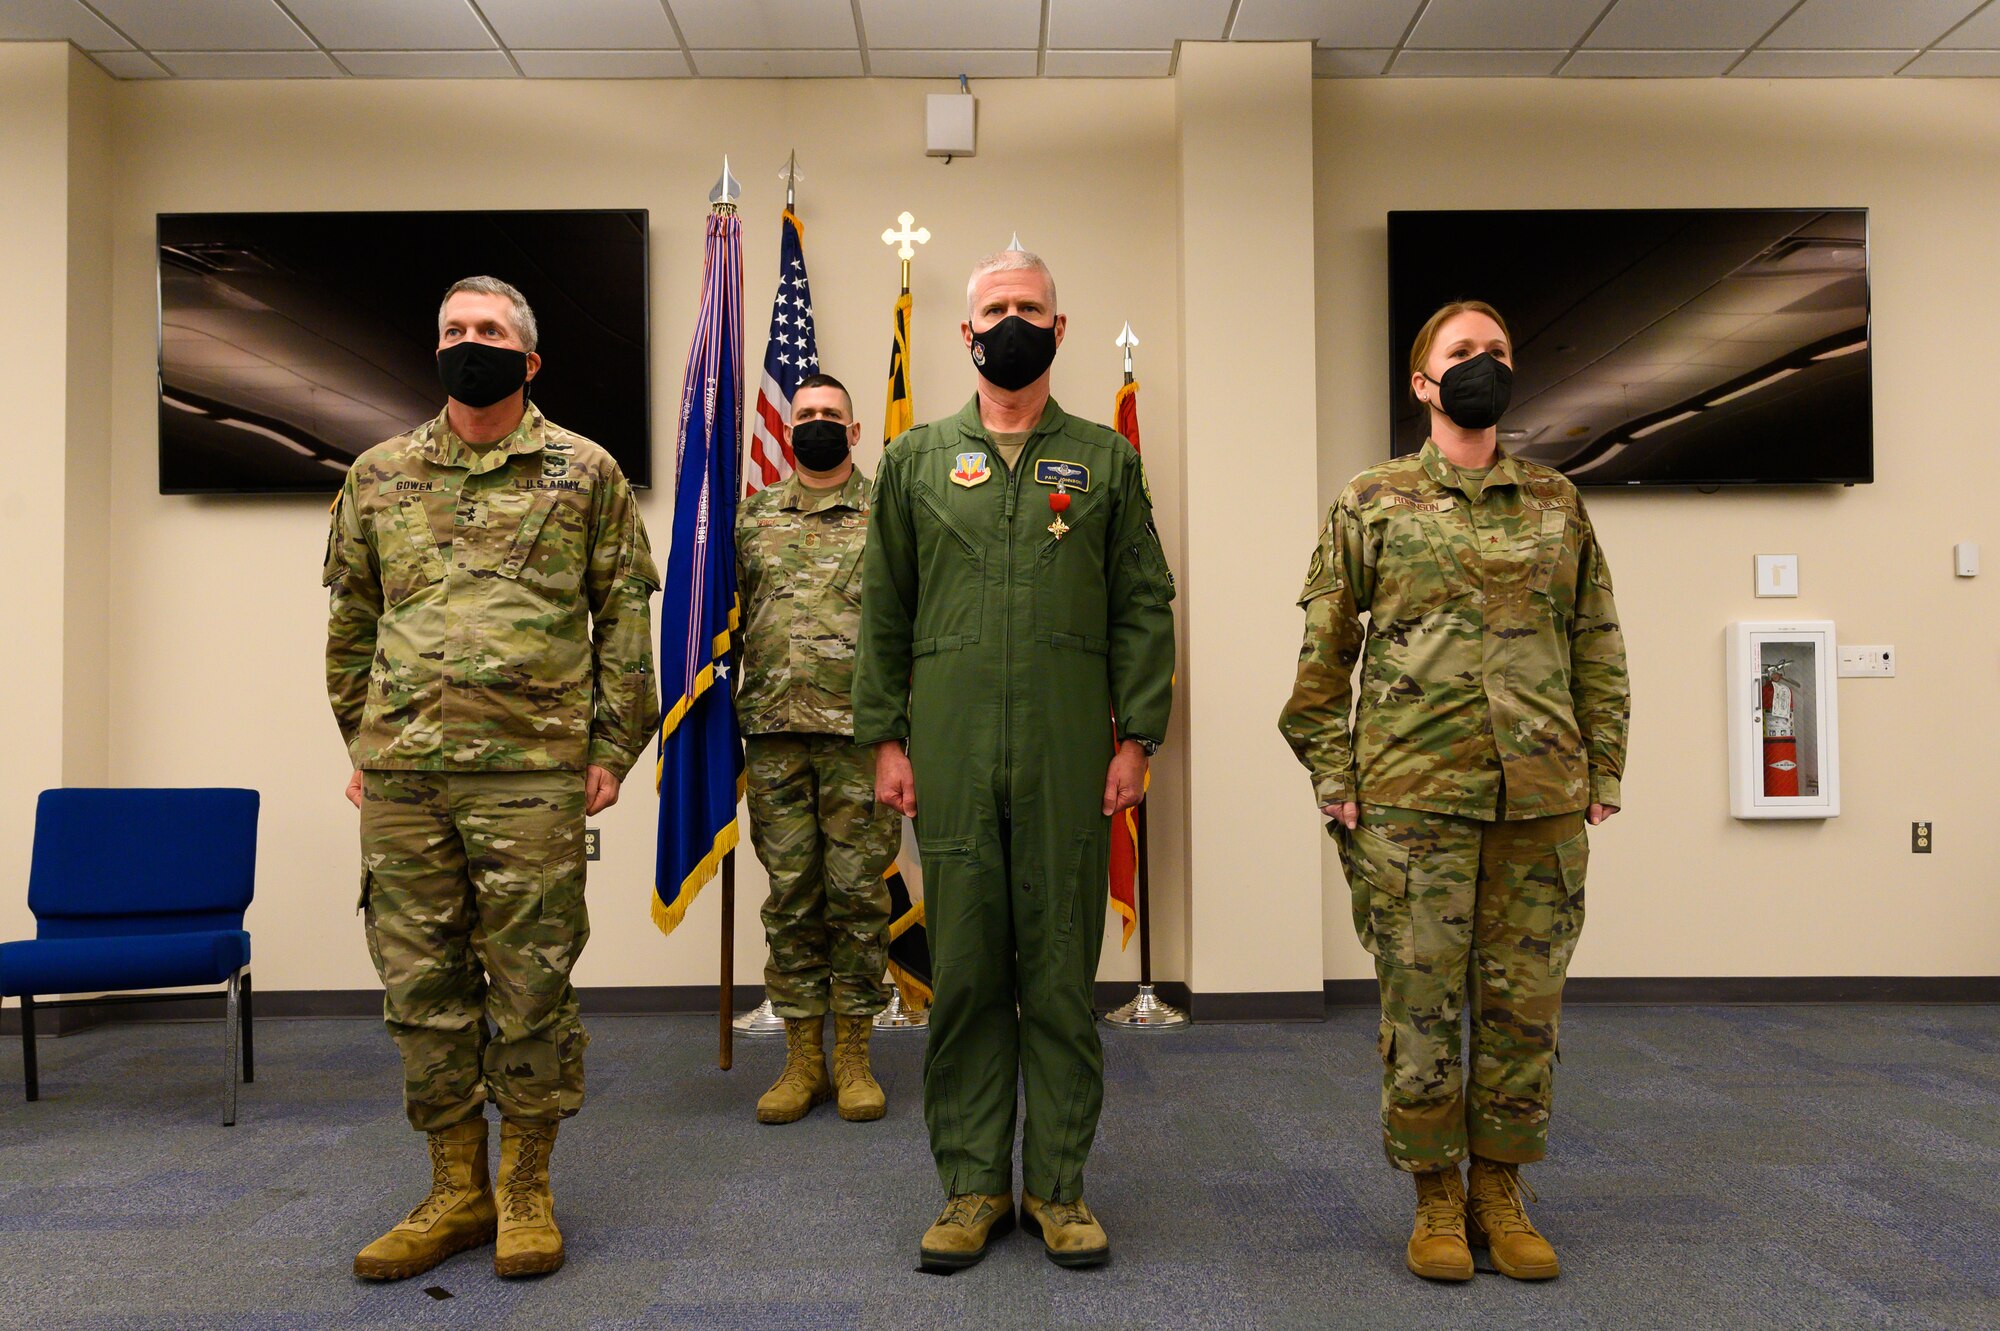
(813, 817)
(489, 661)
(1493, 705)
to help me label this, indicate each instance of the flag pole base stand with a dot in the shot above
(760, 1020)
(896, 1017)
(1147, 1012)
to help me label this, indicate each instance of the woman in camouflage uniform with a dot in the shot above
(1490, 728)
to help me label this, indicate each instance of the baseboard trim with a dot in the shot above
(1302, 1005)
(1674, 990)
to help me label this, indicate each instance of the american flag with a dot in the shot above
(791, 353)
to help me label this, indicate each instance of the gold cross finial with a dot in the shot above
(922, 235)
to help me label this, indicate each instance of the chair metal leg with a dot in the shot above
(231, 1023)
(249, 1059)
(28, 1047)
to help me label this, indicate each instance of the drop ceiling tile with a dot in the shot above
(778, 25)
(990, 25)
(1955, 65)
(603, 64)
(581, 25)
(1331, 63)
(1981, 32)
(763, 64)
(1649, 64)
(57, 21)
(1107, 64)
(1876, 25)
(1119, 25)
(393, 25)
(205, 25)
(129, 64)
(488, 64)
(1349, 23)
(1517, 25)
(1673, 25)
(901, 64)
(249, 64)
(1477, 64)
(1763, 64)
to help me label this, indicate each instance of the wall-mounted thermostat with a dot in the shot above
(1965, 559)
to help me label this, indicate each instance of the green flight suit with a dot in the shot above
(1000, 652)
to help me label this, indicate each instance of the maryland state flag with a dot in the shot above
(909, 941)
(700, 775)
(899, 415)
(1125, 831)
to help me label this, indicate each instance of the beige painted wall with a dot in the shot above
(1677, 886)
(217, 612)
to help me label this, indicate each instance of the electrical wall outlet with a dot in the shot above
(1876, 662)
(593, 844)
(1920, 838)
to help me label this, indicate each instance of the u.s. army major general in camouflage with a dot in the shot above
(490, 605)
(1492, 711)
(489, 636)
(813, 815)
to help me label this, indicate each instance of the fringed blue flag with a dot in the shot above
(701, 759)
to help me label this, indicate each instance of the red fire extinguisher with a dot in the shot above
(1781, 741)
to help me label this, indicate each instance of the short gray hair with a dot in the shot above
(1009, 261)
(524, 317)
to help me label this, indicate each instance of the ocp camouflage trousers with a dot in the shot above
(825, 843)
(1451, 907)
(472, 889)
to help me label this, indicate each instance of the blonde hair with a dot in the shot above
(1006, 261)
(1420, 350)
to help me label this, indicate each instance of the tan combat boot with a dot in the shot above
(1071, 1233)
(458, 1213)
(968, 1222)
(803, 1083)
(529, 1244)
(1499, 1223)
(1437, 1248)
(856, 1091)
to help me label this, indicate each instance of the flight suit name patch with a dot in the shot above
(971, 470)
(1055, 471)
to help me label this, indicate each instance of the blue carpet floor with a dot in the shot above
(1745, 1167)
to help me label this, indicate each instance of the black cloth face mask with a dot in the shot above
(819, 445)
(479, 373)
(1474, 393)
(1014, 353)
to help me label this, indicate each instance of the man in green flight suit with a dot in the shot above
(814, 818)
(1015, 600)
(489, 659)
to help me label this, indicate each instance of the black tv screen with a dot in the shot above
(1688, 346)
(292, 342)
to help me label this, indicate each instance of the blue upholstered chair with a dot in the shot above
(138, 889)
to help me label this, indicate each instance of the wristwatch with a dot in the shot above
(1150, 746)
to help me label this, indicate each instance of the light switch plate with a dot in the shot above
(1777, 575)
(1873, 662)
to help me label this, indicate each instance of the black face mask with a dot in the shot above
(1474, 392)
(479, 373)
(1014, 353)
(819, 445)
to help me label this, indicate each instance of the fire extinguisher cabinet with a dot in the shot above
(1784, 746)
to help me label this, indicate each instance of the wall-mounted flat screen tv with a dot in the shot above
(1685, 346)
(292, 342)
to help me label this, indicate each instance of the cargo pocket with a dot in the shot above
(1572, 858)
(564, 923)
(1378, 880)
